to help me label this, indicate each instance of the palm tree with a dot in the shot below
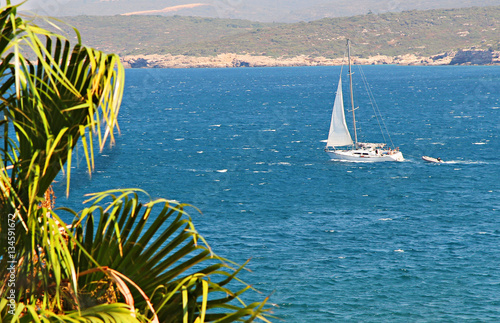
(120, 260)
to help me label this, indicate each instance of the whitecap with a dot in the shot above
(221, 171)
(385, 219)
(479, 143)
(399, 250)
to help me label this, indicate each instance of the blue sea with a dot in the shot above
(329, 241)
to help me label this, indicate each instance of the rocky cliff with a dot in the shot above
(234, 60)
(473, 57)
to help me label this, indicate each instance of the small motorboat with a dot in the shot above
(432, 159)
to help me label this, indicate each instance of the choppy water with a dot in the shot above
(332, 241)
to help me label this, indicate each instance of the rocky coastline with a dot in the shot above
(462, 57)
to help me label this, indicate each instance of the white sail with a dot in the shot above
(339, 134)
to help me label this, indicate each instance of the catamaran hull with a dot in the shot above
(367, 157)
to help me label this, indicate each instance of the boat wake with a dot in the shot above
(465, 162)
(453, 162)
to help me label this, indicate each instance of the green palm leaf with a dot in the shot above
(57, 101)
(109, 313)
(162, 253)
(47, 107)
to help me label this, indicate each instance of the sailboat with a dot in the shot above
(340, 145)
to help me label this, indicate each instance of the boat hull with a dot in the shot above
(431, 159)
(366, 156)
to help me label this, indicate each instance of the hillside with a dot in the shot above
(127, 35)
(422, 33)
(418, 32)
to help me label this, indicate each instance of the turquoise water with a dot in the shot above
(331, 241)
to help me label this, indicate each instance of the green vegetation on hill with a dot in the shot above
(156, 34)
(426, 33)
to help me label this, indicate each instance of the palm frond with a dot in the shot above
(46, 108)
(105, 313)
(55, 102)
(162, 254)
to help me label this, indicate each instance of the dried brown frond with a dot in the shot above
(50, 199)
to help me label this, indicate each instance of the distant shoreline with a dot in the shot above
(463, 57)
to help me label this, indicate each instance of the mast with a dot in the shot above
(350, 88)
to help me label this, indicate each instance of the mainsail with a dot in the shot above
(339, 134)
